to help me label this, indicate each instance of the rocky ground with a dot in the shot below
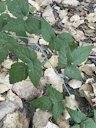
(77, 17)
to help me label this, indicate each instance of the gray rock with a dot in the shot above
(6, 107)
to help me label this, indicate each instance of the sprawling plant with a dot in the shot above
(15, 25)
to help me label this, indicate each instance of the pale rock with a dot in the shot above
(44, 2)
(4, 82)
(34, 4)
(78, 35)
(33, 39)
(51, 125)
(2, 98)
(43, 42)
(53, 78)
(76, 20)
(6, 107)
(58, 1)
(89, 69)
(16, 120)
(62, 122)
(71, 102)
(71, 2)
(7, 63)
(65, 19)
(15, 99)
(91, 17)
(25, 89)
(40, 118)
(48, 14)
(75, 84)
(52, 62)
(3, 88)
(62, 14)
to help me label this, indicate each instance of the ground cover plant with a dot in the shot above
(16, 24)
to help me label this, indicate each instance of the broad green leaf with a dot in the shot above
(57, 100)
(18, 72)
(43, 103)
(62, 60)
(76, 126)
(4, 19)
(68, 39)
(25, 54)
(76, 116)
(35, 71)
(15, 25)
(33, 25)
(18, 8)
(88, 123)
(46, 31)
(57, 110)
(63, 40)
(54, 95)
(95, 115)
(3, 53)
(80, 54)
(2, 6)
(72, 72)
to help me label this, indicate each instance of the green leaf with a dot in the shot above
(62, 60)
(76, 126)
(2, 6)
(68, 40)
(57, 100)
(72, 72)
(95, 115)
(33, 25)
(46, 31)
(76, 116)
(80, 54)
(18, 8)
(3, 53)
(43, 103)
(88, 123)
(18, 72)
(63, 40)
(35, 71)
(4, 19)
(54, 95)
(15, 25)
(57, 110)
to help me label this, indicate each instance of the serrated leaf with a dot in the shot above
(4, 19)
(43, 103)
(80, 54)
(33, 25)
(57, 110)
(57, 100)
(95, 115)
(35, 71)
(46, 31)
(62, 60)
(3, 53)
(76, 116)
(76, 126)
(18, 8)
(88, 123)
(72, 72)
(2, 6)
(15, 25)
(18, 72)
(54, 95)
(62, 40)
